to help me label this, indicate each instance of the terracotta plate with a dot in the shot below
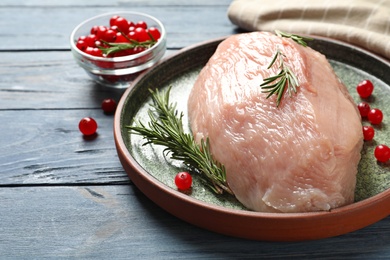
(153, 174)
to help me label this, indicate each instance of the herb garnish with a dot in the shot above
(166, 129)
(121, 46)
(116, 47)
(276, 85)
(285, 77)
(302, 40)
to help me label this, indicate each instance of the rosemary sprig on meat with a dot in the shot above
(285, 78)
(278, 83)
(302, 40)
(165, 128)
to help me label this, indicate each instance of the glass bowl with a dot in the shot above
(117, 72)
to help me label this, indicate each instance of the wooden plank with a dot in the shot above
(46, 147)
(119, 222)
(42, 98)
(48, 80)
(24, 3)
(46, 27)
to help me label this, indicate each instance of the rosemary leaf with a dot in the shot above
(302, 40)
(274, 59)
(121, 46)
(277, 84)
(165, 128)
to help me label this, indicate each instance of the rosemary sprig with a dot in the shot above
(116, 47)
(121, 46)
(277, 84)
(302, 40)
(165, 128)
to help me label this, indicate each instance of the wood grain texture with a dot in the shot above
(113, 3)
(121, 223)
(64, 196)
(45, 146)
(41, 26)
(48, 80)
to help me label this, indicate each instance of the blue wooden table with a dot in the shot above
(62, 196)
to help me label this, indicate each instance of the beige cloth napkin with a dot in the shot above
(364, 23)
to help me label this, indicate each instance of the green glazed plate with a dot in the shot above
(154, 174)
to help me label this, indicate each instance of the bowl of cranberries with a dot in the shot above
(114, 48)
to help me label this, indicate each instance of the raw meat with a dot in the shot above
(298, 157)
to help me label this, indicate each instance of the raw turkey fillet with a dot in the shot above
(298, 157)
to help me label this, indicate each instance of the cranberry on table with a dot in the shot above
(375, 116)
(88, 126)
(183, 180)
(382, 153)
(108, 105)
